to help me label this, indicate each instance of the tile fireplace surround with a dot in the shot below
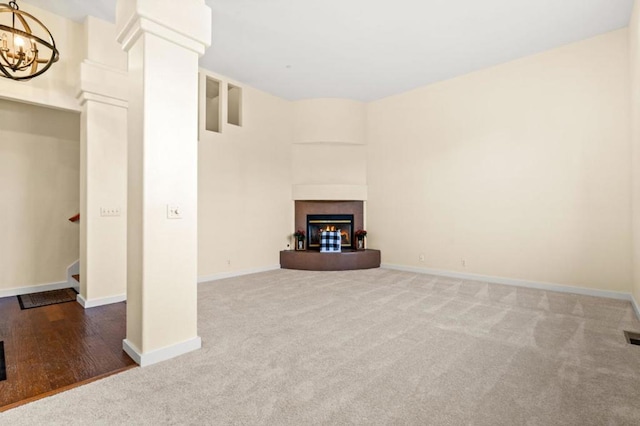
(304, 208)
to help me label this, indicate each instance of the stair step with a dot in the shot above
(76, 277)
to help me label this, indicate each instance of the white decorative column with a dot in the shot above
(164, 40)
(103, 168)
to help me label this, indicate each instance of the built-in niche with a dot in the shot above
(234, 105)
(212, 105)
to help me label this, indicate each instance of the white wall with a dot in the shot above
(245, 212)
(329, 160)
(522, 170)
(634, 51)
(329, 120)
(39, 181)
(100, 45)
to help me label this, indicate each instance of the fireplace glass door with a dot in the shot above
(320, 222)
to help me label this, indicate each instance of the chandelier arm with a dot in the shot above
(34, 64)
(29, 77)
(25, 64)
(21, 64)
(5, 59)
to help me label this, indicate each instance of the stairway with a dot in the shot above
(75, 218)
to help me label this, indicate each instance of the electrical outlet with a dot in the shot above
(421, 257)
(109, 211)
(174, 211)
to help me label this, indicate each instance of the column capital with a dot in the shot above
(186, 23)
(102, 83)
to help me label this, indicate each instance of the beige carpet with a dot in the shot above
(377, 347)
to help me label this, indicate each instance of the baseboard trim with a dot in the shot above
(223, 275)
(162, 354)
(33, 289)
(514, 282)
(92, 303)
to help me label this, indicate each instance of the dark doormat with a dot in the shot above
(3, 364)
(45, 298)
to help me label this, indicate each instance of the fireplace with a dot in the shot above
(313, 215)
(316, 223)
(331, 211)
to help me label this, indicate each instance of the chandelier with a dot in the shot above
(27, 48)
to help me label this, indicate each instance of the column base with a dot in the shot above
(162, 354)
(92, 303)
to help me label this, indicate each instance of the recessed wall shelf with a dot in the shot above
(234, 105)
(212, 105)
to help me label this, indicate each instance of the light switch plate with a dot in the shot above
(109, 211)
(174, 211)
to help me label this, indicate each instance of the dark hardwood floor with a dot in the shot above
(56, 347)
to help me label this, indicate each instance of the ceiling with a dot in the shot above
(369, 49)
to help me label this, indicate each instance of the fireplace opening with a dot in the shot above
(316, 223)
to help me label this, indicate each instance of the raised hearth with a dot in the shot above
(347, 260)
